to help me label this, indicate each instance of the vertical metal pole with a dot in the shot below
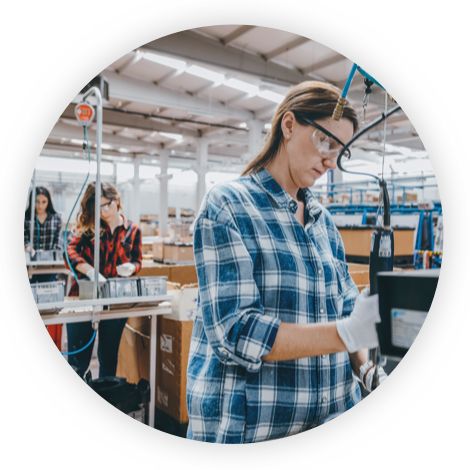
(99, 132)
(33, 209)
(202, 157)
(163, 178)
(153, 369)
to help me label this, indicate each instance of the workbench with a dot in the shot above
(46, 267)
(75, 311)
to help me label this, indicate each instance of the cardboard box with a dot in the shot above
(181, 274)
(178, 253)
(148, 228)
(185, 274)
(134, 350)
(150, 268)
(173, 343)
(157, 251)
(184, 302)
(357, 240)
(359, 274)
(174, 339)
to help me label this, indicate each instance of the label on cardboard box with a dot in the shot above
(168, 367)
(162, 397)
(166, 343)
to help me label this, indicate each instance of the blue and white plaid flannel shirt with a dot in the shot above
(257, 266)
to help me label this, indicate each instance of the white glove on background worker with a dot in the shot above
(90, 274)
(29, 249)
(126, 269)
(366, 374)
(358, 330)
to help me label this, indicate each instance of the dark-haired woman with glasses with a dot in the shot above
(47, 226)
(120, 255)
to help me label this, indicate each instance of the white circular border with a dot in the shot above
(50, 50)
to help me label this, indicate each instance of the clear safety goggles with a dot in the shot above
(327, 144)
(106, 206)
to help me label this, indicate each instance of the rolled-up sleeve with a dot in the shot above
(234, 320)
(72, 253)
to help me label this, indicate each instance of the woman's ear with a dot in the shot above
(287, 125)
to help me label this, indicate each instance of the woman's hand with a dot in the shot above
(125, 269)
(358, 331)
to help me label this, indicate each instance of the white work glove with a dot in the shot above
(29, 249)
(90, 274)
(125, 269)
(367, 371)
(358, 330)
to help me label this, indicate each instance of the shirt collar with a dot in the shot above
(125, 223)
(283, 199)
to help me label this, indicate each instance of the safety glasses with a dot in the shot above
(107, 205)
(327, 143)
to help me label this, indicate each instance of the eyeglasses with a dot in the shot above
(106, 206)
(327, 143)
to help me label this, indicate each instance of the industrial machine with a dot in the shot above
(405, 298)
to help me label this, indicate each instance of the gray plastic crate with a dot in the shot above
(48, 255)
(85, 289)
(153, 285)
(46, 292)
(122, 287)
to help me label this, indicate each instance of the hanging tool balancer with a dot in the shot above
(382, 242)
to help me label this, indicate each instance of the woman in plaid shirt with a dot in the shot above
(120, 255)
(280, 326)
(46, 236)
(47, 224)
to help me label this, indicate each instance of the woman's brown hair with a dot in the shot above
(86, 215)
(308, 101)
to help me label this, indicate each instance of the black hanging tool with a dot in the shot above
(382, 242)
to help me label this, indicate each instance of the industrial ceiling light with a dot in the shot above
(271, 96)
(172, 135)
(202, 72)
(164, 60)
(217, 78)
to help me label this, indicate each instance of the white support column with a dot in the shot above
(255, 139)
(163, 178)
(135, 209)
(201, 170)
(115, 173)
(334, 176)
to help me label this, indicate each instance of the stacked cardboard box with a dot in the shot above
(357, 240)
(181, 274)
(174, 338)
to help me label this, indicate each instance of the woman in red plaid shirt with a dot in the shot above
(120, 255)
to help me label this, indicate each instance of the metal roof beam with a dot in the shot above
(286, 47)
(139, 91)
(323, 63)
(235, 34)
(197, 48)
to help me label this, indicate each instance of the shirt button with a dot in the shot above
(322, 311)
(293, 206)
(324, 399)
(320, 271)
